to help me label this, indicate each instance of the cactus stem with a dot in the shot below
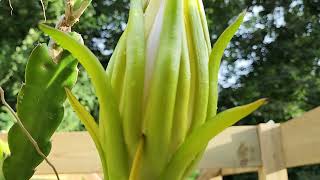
(26, 132)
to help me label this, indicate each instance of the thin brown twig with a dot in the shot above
(10, 4)
(72, 16)
(44, 10)
(67, 11)
(65, 24)
(26, 132)
(76, 14)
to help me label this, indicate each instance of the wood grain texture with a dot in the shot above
(235, 147)
(273, 164)
(72, 153)
(301, 139)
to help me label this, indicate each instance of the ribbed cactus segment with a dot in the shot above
(40, 108)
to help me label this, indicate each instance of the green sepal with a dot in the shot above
(215, 60)
(199, 138)
(160, 100)
(180, 123)
(110, 129)
(91, 126)
(132, 112)
(117, 74)
(199, 57)
(40, 108)
(214, 65)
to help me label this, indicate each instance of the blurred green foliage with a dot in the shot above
(101, 27)
(276, 54)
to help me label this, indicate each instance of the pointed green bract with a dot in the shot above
(118, 73)
(134, 78)
(89, 124)
(110, 129)
(180, 121)
(200, 57)
(199, 138)
(84, 115)
(214, 62)
(204, 24)
(214, 65)
(40, 108)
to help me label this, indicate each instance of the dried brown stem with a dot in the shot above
(72, 16)
(43, 10)
(26, 132)
(10, 4)
(65, 24)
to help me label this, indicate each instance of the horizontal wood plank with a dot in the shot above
(74, 152)
(301, 139)
(235, 147)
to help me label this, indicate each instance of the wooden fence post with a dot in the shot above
(273, 163)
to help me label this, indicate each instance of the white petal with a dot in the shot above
(151, 48)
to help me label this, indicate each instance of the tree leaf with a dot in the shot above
(40, 108)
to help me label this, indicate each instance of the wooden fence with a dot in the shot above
(268, 149)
